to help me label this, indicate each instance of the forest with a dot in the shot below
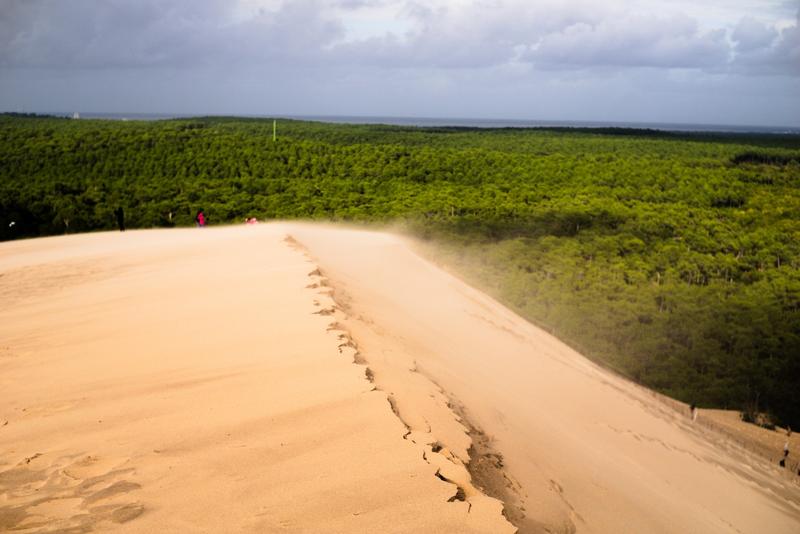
(671, 258)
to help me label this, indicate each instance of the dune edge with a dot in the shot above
(483, 476)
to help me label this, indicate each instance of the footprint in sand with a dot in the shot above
(46, 492)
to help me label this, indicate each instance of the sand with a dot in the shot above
(769, 444)
(186, 381)
(231, 380)
(583, 449)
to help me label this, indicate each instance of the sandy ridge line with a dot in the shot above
(481, 476)
(557, 425)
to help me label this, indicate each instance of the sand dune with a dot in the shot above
(228, 380)
(583, 450)
(185, 381)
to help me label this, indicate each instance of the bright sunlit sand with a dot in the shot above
(300, 378)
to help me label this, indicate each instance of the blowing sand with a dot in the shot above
(231, 380)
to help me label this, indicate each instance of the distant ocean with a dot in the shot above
(472, 123)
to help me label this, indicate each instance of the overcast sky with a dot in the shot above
(701, 61)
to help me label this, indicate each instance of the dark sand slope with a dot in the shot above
(583, 450)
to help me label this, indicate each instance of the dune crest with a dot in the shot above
(432, 423)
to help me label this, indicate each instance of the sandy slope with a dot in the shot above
(186, 381)
(201, 380)
(583, 449)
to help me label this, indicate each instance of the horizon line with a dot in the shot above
(442, 121)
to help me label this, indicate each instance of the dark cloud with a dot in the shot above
(146, 33)
(546, 35)
(751, 34)
(637, 41)
(477, 35)
(572, 36)
(763, 50)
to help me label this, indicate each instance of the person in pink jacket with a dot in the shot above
(200, 218)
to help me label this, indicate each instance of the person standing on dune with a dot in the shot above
(200, 218)
(120, 214)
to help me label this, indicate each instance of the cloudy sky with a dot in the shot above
(700, 61)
